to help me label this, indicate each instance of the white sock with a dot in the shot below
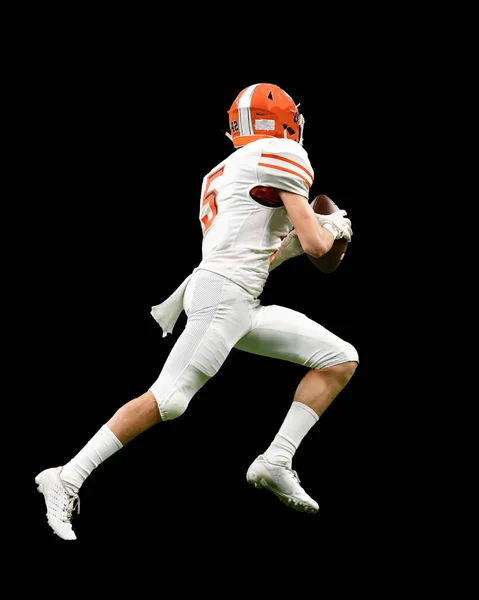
(297, 423)
(101, 446)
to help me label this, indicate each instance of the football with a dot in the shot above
(330, 261)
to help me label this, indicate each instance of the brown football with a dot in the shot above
(330, 261)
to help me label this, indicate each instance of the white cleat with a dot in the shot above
(60, 503)
(282, 481)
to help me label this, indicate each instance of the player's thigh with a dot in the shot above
(287, 334)
(218, 314)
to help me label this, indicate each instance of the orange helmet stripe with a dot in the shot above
(244, 111)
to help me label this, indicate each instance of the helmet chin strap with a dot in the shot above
(228, 135)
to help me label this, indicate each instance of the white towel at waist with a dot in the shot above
(167, 313)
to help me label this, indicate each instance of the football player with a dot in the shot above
(255, 213)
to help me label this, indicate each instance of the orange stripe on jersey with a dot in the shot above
(286, 171)
(287, 160)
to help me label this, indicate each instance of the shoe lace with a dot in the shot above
(294, 474)
(72, 505)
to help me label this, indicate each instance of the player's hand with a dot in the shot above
(290, 247)
(337, 223)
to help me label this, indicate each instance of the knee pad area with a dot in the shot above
(173, 407)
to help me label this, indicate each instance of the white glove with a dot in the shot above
(290, 247)
(337, 224)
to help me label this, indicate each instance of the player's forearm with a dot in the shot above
(316, 240)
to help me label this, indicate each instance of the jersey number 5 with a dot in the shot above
(209, 208)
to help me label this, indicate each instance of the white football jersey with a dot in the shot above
(242, 217)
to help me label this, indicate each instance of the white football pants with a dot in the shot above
(221, 315)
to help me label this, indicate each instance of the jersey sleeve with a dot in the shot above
(284, 165)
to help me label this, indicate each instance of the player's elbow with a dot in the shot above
(316, 241)
(315, 248)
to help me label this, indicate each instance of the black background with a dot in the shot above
(123, 130)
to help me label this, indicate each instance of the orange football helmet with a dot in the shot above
(264, 110)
